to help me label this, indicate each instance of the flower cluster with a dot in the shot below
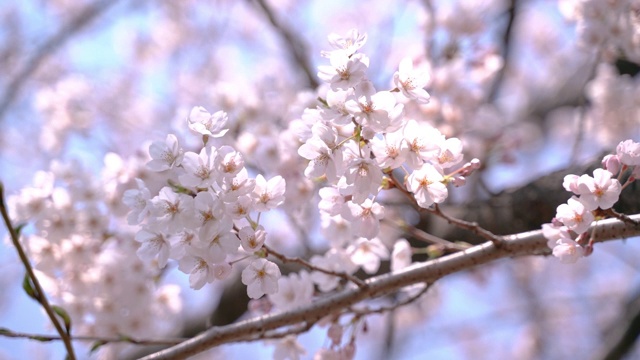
(85, 261)
(608, 25)
(356, 140)
(203, 219)
(590, 193)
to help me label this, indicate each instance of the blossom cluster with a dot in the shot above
(611, 26)
(84, 260)
(202, 219)
(359, 141)
(567, 233)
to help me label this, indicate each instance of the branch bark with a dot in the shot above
(529, 243)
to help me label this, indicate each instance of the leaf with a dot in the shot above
(96, 345)
(27, 285)
(65, 317)
(18, 229)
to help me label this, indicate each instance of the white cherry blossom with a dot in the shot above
(426, 185)
(345, 71)
(199, 168)
(368, 253)
(268, 195)
(155, 246)
(165, 155)
(139, 200)
(205, 123)
(252, 240)
(261, 277)
(411, 82)
(364, 218)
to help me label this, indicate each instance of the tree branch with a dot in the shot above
(297, 48)
(38, 292)
(45, 338)
(529, 243)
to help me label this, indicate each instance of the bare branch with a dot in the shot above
(528, 243)
(296, 46)
(310, 266)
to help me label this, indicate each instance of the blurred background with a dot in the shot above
(535, 89)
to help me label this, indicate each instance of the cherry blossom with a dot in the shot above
(368, 253)
(567, 250)
(199, 168)
(155, 245)
(426, 185)
(391, 151)
(410, 82)
(364, 218)
(202, 122)
(574, 215)
(228, 162)
(220, 243)
(599, 191)
(171, 211)
(333, 260)
(423, 141)
(350, 43)
(199, 267)
(139, 200)
(268, 194)
(345, 71)
(628, 152)
(337, 112)
(250, 239)
(401, 255)
(165, 155)
(331, 201)
(294, 290)
(288, 349)
(261, 277)
(321, 150)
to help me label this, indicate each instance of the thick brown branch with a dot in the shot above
(529, 243)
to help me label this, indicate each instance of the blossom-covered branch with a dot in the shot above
(529, 243)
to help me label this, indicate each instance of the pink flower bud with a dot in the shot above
(459, 181)
(611, 163)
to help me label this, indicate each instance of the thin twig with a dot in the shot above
(425, 236)
(471, 226)
(39, 337)
(308, 265)
(622, 217)
(467, 225)
(394, 306)
(40, 294)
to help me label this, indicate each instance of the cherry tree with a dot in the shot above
(335, 169)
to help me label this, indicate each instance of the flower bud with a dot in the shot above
(611, 163)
